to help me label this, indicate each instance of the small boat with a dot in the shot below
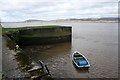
(80, 60)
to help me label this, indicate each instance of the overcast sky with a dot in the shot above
(20, 10)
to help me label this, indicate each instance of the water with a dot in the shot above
(97, 41)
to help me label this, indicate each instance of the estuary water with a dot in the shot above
(97, 41)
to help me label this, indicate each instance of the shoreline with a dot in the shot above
(66, 21)
(10, 64)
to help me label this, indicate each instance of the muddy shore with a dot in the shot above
(10, 68)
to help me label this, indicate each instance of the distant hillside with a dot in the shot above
(33, 20)
(103, 18)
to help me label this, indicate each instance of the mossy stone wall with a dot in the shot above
(24, 37)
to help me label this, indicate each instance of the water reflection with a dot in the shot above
(47, 52)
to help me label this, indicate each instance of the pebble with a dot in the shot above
(32, 63)
(53, 66)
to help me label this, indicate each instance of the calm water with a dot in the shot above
(97, 41)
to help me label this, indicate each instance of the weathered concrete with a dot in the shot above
(20, 39)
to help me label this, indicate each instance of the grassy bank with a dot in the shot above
(6, 30)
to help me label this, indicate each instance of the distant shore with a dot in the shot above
(62, 20)
(84, 21)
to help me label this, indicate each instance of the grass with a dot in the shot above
(6, 30)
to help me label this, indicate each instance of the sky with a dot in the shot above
(20, 10)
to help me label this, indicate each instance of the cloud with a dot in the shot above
(19, 10)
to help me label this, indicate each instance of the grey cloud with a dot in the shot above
(58, 9)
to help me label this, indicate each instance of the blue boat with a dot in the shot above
(80, 60)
